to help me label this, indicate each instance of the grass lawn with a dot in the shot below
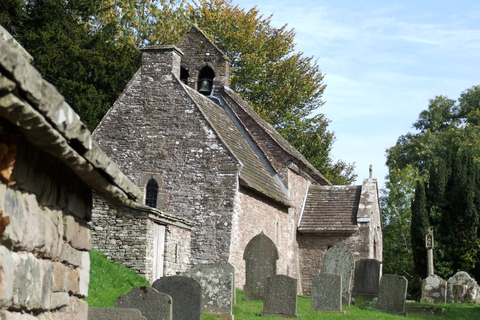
(109, 280)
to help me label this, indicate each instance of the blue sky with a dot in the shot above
(382, 61)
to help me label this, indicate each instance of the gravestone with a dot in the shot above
(472, 290)
(154, 305)
(218, 286)
(327, 292)
(367, 277)
(260, 257)
(280, 297)
(115, 314)
(392, 294)
(186, 294)
(434, 290)
(339, 260)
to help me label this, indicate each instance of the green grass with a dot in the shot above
(109, 280)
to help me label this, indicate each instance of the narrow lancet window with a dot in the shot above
(184, 75)
(151, 194)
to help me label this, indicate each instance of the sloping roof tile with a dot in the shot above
(331, 209)
(230, 95)
(253, 174)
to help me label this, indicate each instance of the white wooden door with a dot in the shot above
(158, 250)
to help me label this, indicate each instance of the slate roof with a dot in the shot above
(331, 209)
(277, 137)
(253, 173)
(47, 121)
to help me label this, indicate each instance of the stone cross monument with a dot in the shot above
(429, 245)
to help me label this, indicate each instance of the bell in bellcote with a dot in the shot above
(205, 87)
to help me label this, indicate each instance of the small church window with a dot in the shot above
(184, 75)
(205, 80)
(151, 194)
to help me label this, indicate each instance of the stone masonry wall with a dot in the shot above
(313, 247)
(44, 260)
(125, 235)
(253, 214)
(202, 53)
(155, 127)
(121, 237)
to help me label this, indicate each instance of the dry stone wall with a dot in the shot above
(44, 260)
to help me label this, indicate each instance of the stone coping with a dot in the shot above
(46, 120)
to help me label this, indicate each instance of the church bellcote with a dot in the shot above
(204, 67)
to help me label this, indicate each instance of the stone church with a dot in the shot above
(214, 175)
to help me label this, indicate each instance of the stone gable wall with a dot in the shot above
(254, 215)
(200, 52)
(313, 247)
(44, 260)
(155, 127)
(125, 235)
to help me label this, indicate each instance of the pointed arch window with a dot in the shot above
(205, 81)
(151, 193)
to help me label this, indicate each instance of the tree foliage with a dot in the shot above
(87, 48)
(444, 152)
(86, 65)
(395, 203)
(283, 86)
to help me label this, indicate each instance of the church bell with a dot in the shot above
(205, 87)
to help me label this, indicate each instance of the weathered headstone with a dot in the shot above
(260, 257)
(367, 277)
(472, 291)
(392, 294)
(434, 290)
(115, 314)
(186, 294)
(154, 305)
(327, 292)
(280, 296)
(339, 260)
(218, 285)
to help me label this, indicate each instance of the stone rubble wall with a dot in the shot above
(125, 235)
(254, 215)
(44, 260)
(366, 243)
(168, 135)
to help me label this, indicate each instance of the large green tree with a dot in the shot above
(86, 64)
(87, 49)
(283, 86)
(444, 151)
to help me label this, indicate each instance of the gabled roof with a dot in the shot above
(230, 95)
(331, 210)
(253, 173)
(48, 122)
(195, 29)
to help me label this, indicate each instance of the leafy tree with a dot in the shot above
(283, 86)
(87, 66)
(444, 151)
(419, 227)
(86, 48)
(396, 202)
